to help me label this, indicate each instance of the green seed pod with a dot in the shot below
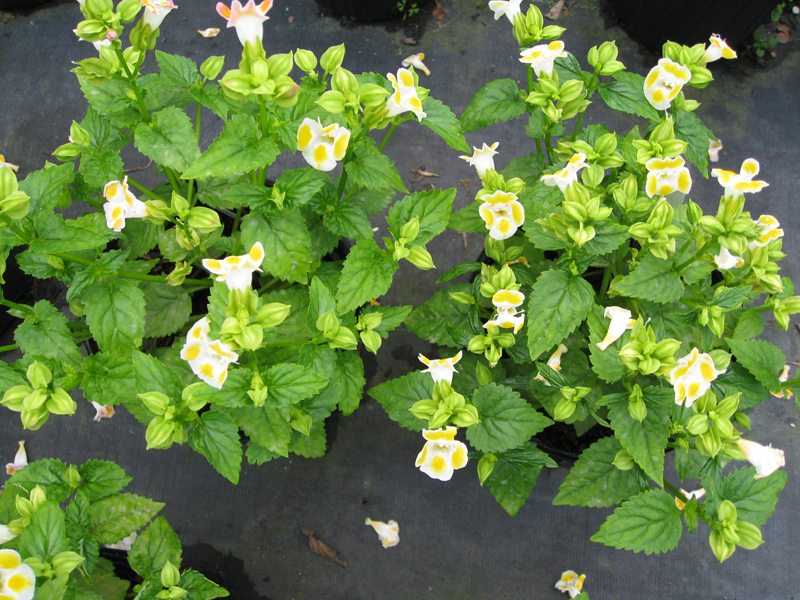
(623, 460)
(170, 576)
(372, 340)
(212, 67)
(721, 548)
(726, 511)
(60, 403)
(35, 400)
(466, 417)
(478, 344)
(742, 420)
(424, 409)
(128, 9)
(486, 466)
(749, 535)
(39, 375)
(698, 424)
(38, 496)
(462, 298)
(344, 338)
(73, 477)
(24, 506)
(332, 58)
(156, 402)
(482, 374)
(280, 64)
(305, 60)
(420, 258)
(34, 419)
(65, 562)
(14, 397)
(159, 433)
(563, 409)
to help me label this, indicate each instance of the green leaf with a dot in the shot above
(212, 97)
(352, 381)
(649, 522)
(216, 437)
(738, 379)
(167, 308)
(373, 202)
(110, 100)
(178, 69)
(764, 360)
(313, 446)
(320, 301)
(300, 185)
(644, 441)
(152, 549)
(348, 220)
(200, 588)
(288, 383)
(750, 325)
(115, 312)
(47, 186)
(529, 168)
(443, 122)
(54, 589)
(433, 209)
(286, 242)
(497, 101)
(515, 474)
(154, 376)
(730, 298)
(55, 235)
(690, 129)
(558, 303)
(429, 321)
(238, 149)
(467, 219)
(373, 170)
(45, 333)
(104, 584)
(48, 473)
(400, 394)
(102, 478)
(366, 274)
(45, 535)
(108, 378)
(9, 378)
(653, 279)
(258, 455)
(627, 94)
(608, 237)
(506, 419)
(755, 499)
(568, 68)
(101, 167)
(459, 270)
(606, 362)
(168, 139)
(115, 517)
(265, 426)
(594, 481)
(233, 394)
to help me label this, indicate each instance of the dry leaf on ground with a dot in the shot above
(438, 12)
(321, 548)
(555, 12)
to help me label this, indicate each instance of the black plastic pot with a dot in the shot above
(689, 22)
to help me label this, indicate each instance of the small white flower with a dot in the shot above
(667, 175)
(693, 376)
(725, 260)
(103, 411)
(502, 214)
(696, 494)
(542, 57)
(507, 319)
(554, 362)
(155, 11)
(565, 177)
(322, 146)
(237, 271)
(442, 454)
(621, 321)
(765, 459)
(717, 49)
(389, 533)
(3, 163)
(124, 543)
(482, 158)
(714, 146)
(736, 184)
(20, 460)
(208, 359)
(783, 378)
(441, 369)
(509, 8)
(415, 60)
(664, 82)
(248, 21)
(571, 583)
(6, 535)
(405, 97)
(17, 580)
(121, 204)
(210, 32)
(770, 230)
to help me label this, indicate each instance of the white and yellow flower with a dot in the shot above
(389, 533)
(664, 82)
(415, 60)
(482, 158)
(322, 146)
(765, 459)
(502, 213)
(155, 11)
(17, 579)
(5, 534)
(103, 411)
(736, 184)
(405, 97)
(693, 376)
(554, 362)
(725, 260)
(20, 460)
(237, 271)
(508, 299)
(542, 57)
(441, 369)
(714, 146)
(507, 319)
(667, 175)
(121, 204)
(770, 230)
(3, 163)
(696, 494)
(442, 453)
(565, 177)
(621, 321)
(248, 20)
(208, 359)
(783, 378)
(209, 32)
(718, 48)
(570, 582)
(509, 8)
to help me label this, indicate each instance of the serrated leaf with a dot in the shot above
(154, 376)
(313, 446)
(750, 325)
(178, 69)
(433, 209)
(48, 473)
(352, 369)
(398, 395)
(154, 547)
(443, 122)
(216, 437)
(286, 242)
(167, 308)
(429, 321)
(467, 219)
(764, 360)
(115, 517)
(459, 270)
(495, 102)
(738, 379)
(212, 97)
(300, 185)
(108, 378)
(265, 426)
(45, 535)
(45, 333)
(528, 168)
(391, 317)
(168, 139)
(258, 455)
(233, 394)
(56, 235)
(514, 475)
(506, 420)
(653, 279)
(200, 588)
(558, 303)
(348, 220)
(730, 298)
(755, 499)
(373, 170)
(627, 94)
(606, 362)
(102, 478)
(568, 68)
(104, 584)
(367, 274)
(46, 186)
(373, 202)
(690, 129)
(649, 522)
(288, 383)
(608, 237)
(115, 312)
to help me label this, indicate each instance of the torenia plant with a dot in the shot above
(50, 552)
(220, 300)
(608, 302)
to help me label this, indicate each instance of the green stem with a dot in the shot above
(128, 274)
(604, 285)
(8, 348)
(675, 491)
(388, 135)
(14, 305)
(13, 227)
(237, 220)
(190, 194)
(790, 382)
(263, 119)
(529, 70)
(696, 255)
(253, 361)
(538, 149)
(547, 147)
(197, 121)
(342, 183)
(578, 126)
(137, 92)
(173, 180)
(141, 188)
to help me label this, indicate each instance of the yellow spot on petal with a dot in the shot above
(750, 166)
(658, 96)
(488, 217)
(517, 213)
(651, 78)
(684, 182)
(192, 352)
(694, 387)
(707, 371)
(504, 226)
(111, 190)
(438, 463)
(681, 393)
(207, 370)
(460, 457)
(556, 46)
(222, 377)
(256, 252)
(304, 137)
(680, 372)
(320, 155)
(421, 456)
(340, 147)
(415, 103)
(665, 190)
(406, 78)
(212, 264)
(233, 260)
(9, 559)
(18, 583)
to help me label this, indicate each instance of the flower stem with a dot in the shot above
(696, 255)
(173, 180)
(9, 348)
(578, 126)
(529, 71)
(141, 188)
(388, 135)
(137, 92)
(604, 285)
(197, 121)
(128, 274)
(675, 491)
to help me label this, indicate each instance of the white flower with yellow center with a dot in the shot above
(725, 260)
(3, 163)
(565, 177)
(667, 175)
(248, 20)
(442, 454)
(508, 299)
(736, 184)
(441, 369)
(102, 411)
(696, 494)
(765, 459)
(714, 146)
(570, 582)
(155, 11)
(621, 321)
(542, 57)
(20, 460)
(405, 97)
(121, 204)
(509, 8)
(237, 271)
(322, 146)
(17, 578)
(554, 362)
(208, 359)
(482, 158)
(5, 534)
(783, 378)
(770, 230)
(718, 48)
(389, 533)
(415, 60)
(693, 376)
(664, 82)
(507, 319)
(502, 213)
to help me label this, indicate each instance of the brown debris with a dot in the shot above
(784, 35)
(423, 172)
(321, 548)
(438, 12)
(291, 19)
(464, 237)
(466, 184)
(410, 41)
(555, 12)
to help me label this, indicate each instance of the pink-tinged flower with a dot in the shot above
(502, 213)
(741, 183)
(248, 20)
(718, 48)
(20, 460)
(714, 146)
(621, 321)
(441, 369)
(389, 533)
(121, 204)
(482, 158)
(509, 8)
(696, 494)
(103, 411)
(783, 378)
(542, 57)
(664, 82)
(725, 260)
(405, 97)
(667, 175)
(442, 454)
(17, 580)
(415, 60)
(570, 582)
(765, 459)
(693, 376)
(770, 230)
(554, 362)
(565, 177)
(155, 11)
(322, 146)
(237, 271)
(208, 359)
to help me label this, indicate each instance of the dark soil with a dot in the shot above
(561, 442)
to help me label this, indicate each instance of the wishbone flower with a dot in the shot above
(770, 230)
(17, 579)
(507, 319)
(248, 20)
(20, 460)
(693, 376)
(717, 49)
(565, 177)
(442, 454)
(121, 204)
(103, 411)
(725, 260)
(621, 321)
(742, 183)
(667, 175)
(696, 494)
(765, 459)
(571, 583)
(415, 60)
(783, 378)
(508, 299)
(482, 158)
(542, 57)
(509, 8)
(3, 163)
(714, 146)
(441, 369)
(155, 11)
(389, 533)
(5, 534)
(322, 146)
(208, 359)
(554, 362)
(237, 271)
(502, 213)
(664, 82)
(405, 97)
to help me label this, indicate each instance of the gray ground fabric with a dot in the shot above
(456, 542)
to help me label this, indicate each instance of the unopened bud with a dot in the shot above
(73, 477)
(128, 9)
(372, 94)
(159, 433)
(623, 460)
(273, 314)
(344, 338)
(38, 496)
(24, 506)
(721, 548)
(328, 323)
(742, 420)
(466, 417)
(482, 374)
(170, 576)
(305, 60)
(332, 58)
(39, 375)
(67, 152)
(332, 101)
(65, 562)
(212, 66)
(204, 220)
(424, 409)
(698, 424)
(410, 229)
(60, 403)
(372, 340)
(420, 258)
(486, 466)
(14, 397)
(156, 402)
(564, 409)
(749, 535)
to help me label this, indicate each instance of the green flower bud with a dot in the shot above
(571, 90)
(258, 395)
(128, 9)
(156, 402)
(723, 428)
(593, 57)
(574, 211)
(301, 422)
(67, 152)
(250, 337)
(34, 419)
(35, 400)
(204, 220)
(188, 395)
(65, 562)
(552, 32)
(212, 67)
(280, 64)
(372, 94)
(286, 92)
(701, 77)
(493, 353)
(637, 409)
(721, 548)
(612, 67)
(38, 566)
(73, 477)
(742, 420)
(698, 424)
(370, 320)
(466, 417)
(39, 375)
(38, 496)
(236, 84)
(91, 30)
(372, 340)
(726, 511)
(332, 101)
(159, 433)
(749, 535)
(305, 60)
(24, 506)
(178, 274)
(230, 327)
(563, 409)
(170, 576)
(728, 406)
(344, 81)
(482, 374)
(440, 418)
(666, 349)
(711, 225)
(478, 344)
(328, 323)
(623, 460)
(710, 442)
(14, 397)
(410, 229)
(60, 403)
(332, 58)
(424, 409)
(420, 258)
(273, 314)
(344, 338)
(176, 593)
(486, 466)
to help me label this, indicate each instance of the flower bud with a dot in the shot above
(156, 402)
(420, 258)
(15, 396)
(571, 90)
(711, 225)
(24, 506)
(38, 496)
(563, 409)
(280, 64)
(623, 460)
(39, 375)
(424, 409)
(344, 338)
(482, 374)
(612, 67)
(372, 94)
(301, 422)
(250, 337)
(193, 402)
(305, 60)
(410, 229)
(698, 424)
(440, 417)
(159, 433)
(710, 442)
(204, 220)
(170, 576)
(478, 344)
(91, 30)
(505, 340)
(749, 535)
(344, 81)
(67, 152)
(721, 548)
(552, 32)
(185, 240)
(466, 417)
(486, 466)
(35, 400)
(73, 477)
(723, 428)
(273, 314)
(179, 273)
(728, 406)
(332, 101)
(493, 354)
(332, 58)
(637, 409)
(372, 340)
(34, 419)
(701, 77)
(60, 403)
(65, 562)
(236, 84)
(574, 211)
(328, 323)
(370, 320)
(742, 420)
(593, 57)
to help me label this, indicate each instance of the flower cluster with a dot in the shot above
(693, 376)
(322, 146)
(506, 303)
(209, 359)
